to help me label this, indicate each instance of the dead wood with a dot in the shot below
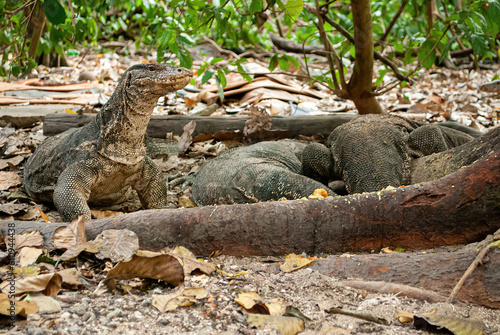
(459, 208)
(292, 126)
(392, 288)
(438, 272)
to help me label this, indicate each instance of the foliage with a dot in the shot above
(236, 24)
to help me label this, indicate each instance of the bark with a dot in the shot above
(459, 208)
(360, 85)
(37, 23)
(438, 272)
(290, 126)
(290, 46)
(438, 165)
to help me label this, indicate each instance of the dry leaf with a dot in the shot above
(26, 271)
(163, 267)
(294, 262)
(253, 303)
(46, 305)
(74, 251)
(404, 317)
(187, 136)
(181, 298)
(42, 214)
(457, 325)
(64, 238)
(182, 251)
(48, 284)
(190, 265)
(29, 239)
(22, 308)
(77, 226)
(286, 325)
(260, 121)
(70, 277)
(118, 245)
(8, 180)
(29, 256)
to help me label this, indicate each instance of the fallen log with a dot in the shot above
(292, 126)
(438, 272)
(459, 208)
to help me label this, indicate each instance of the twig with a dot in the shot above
(17, 10)
(394, 19)
(478, 260)
(327, 44)
(229, 52)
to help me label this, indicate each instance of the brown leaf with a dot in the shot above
(104, 214)
(48, 284)
(260, 120)
(64, 238)
(163, 267)
(179, 298)
(28, 256)
(187, 136)
(29, 239)
(8, 180)
(404, 317)
(77, 226)
(46, 305)
(22, 308)
(284, 324)
(74, 251)
(70, 277)
(294, 262)
(118, 245)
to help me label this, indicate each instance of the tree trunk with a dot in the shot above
(360, 85)
(459, 208)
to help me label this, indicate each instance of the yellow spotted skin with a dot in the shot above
(103, 161)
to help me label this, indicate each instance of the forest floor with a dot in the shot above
(84, 308)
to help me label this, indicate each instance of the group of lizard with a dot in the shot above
(102, 162)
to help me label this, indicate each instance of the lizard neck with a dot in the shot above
(123, 123)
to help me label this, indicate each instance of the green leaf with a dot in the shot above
(380, 78)
(15, 70)
(284, 64)
(242, 70)
(255, 6)
(494, 9)
(208, 74)
(2, 5)
(216, 60)
(273, 62)
(404, 83)
(294, 7)
(444, 53)
(292, 60)
(479, 44)
(222, 77)
(426, 50)
(219, 88)
(185, 58)
(54, 12)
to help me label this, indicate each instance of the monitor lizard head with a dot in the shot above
(152, 79)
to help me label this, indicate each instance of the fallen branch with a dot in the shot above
(431, 271)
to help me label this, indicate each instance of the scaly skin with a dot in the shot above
(372, 152)
(100, 162)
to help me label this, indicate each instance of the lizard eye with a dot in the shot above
(151, 68)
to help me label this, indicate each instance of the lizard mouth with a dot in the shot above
(172, 82)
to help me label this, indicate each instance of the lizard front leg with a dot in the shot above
(151, 186)
(73, 189)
